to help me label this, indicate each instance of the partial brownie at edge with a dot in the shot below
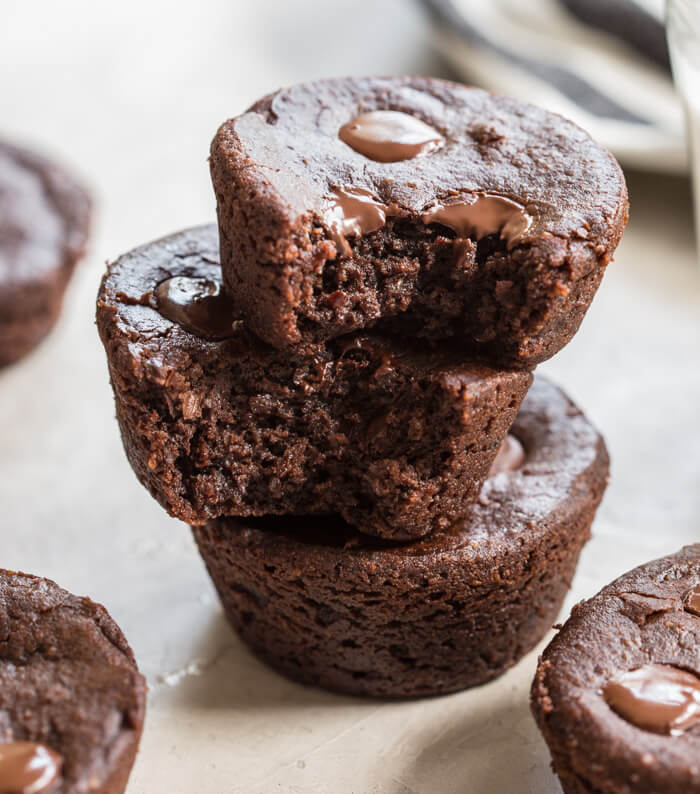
(72, 700)
(44, 221)
(617, 692)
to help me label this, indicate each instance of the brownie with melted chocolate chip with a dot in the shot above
(72, 700)
(394, 437)
(617, 692)
(329, 607)
(44, 219)
(418, 207)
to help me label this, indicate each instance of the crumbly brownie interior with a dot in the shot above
(478, 292)
(394, 451)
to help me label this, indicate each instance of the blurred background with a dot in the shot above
(129, 95)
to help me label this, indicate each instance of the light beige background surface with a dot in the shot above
(130, 93)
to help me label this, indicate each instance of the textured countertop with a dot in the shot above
(130, 95)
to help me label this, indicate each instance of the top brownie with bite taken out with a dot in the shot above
(416, 206)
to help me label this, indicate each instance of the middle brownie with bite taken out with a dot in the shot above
(394, 437)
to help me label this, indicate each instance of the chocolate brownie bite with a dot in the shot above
(330, 607)
(417, 206)
(617, 692)
(44, 218)
(72, 700)
(395, 438)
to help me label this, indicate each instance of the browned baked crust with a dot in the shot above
(68, 680)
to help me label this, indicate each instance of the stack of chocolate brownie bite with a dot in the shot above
(335, 389)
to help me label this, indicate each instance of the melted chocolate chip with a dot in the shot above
(656, 697)
(483, 215)
(352, 212)
(692, 601)
(389, 136)
(510, 456)
(198, 305)
(27, 767)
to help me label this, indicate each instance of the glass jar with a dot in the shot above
(683, 30)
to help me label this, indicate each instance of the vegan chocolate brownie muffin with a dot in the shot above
(396, 439)
(44, 218)
(330, 607)
(617, 692)
(72, 700)
(416, 206)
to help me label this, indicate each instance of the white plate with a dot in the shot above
(535, 50)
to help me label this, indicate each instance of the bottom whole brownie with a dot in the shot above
(328, 606)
